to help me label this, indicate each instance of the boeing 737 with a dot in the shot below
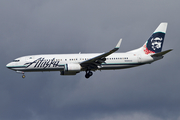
(71, 64)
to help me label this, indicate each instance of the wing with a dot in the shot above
(93, 63)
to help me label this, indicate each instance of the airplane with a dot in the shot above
(71, 64)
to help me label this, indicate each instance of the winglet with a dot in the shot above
(118, 44)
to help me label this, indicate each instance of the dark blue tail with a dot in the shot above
(155, 42)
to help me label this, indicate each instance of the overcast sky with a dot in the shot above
(149, 92)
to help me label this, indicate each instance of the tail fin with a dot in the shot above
(155, 42)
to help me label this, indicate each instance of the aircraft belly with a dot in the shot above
(31, 69)
(117, 66)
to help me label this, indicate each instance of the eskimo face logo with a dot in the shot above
(156, 43)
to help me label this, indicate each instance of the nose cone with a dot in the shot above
(9, 65)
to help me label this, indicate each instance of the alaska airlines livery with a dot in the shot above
(71, 64)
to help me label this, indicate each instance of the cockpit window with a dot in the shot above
(16, 60)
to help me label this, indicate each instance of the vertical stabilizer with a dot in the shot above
(155, 42)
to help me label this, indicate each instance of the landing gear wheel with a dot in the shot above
(23, 76)
(88, 74)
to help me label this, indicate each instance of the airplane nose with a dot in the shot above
(9, 65)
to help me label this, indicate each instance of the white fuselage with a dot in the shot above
(56, 62)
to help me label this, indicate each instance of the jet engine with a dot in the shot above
(71, 69)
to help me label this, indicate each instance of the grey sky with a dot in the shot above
(71, 26)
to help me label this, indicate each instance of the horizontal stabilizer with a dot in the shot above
(161, 53)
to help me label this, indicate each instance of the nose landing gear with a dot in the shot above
(23, 76)
(88, 74)
(21, 72)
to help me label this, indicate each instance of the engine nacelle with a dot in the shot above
(71, 69)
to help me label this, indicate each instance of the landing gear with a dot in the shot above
(23, 76)
(21, 72)
(88, 74)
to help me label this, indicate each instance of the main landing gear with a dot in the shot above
(88, 73)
